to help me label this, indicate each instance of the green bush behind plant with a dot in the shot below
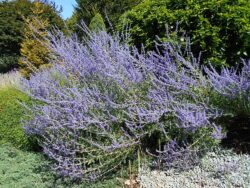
(97, 23)
(11, 113)
(220, 30)
(8, 63)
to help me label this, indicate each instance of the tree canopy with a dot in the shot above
(12, 27)
(34, 53)
(113, 9)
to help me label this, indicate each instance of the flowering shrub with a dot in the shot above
(102, 99)
(233, 86)
(93, 113)
(176, 157)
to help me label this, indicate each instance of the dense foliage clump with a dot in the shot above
(11, 32)
(8, 63)
(11, 113)
(218, 29)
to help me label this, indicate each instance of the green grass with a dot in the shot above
(22, 169)
(11, 112)
(25, 169)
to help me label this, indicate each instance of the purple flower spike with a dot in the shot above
(102, 98)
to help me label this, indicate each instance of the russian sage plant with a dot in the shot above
(102, 98)
(232, 85)
(174, 156)
(93, 111)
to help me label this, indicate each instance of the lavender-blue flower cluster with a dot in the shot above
(233, 85)
(179, 158)
(102, 97)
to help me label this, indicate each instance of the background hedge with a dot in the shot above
(220, 30)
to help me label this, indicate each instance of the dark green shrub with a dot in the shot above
(220, 30)
(12, 27)
(8, 63)
(11, 113)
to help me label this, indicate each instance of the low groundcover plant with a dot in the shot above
(103, 99)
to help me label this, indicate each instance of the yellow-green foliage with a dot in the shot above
(11, 112)
(33, 51)
(97, 23)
